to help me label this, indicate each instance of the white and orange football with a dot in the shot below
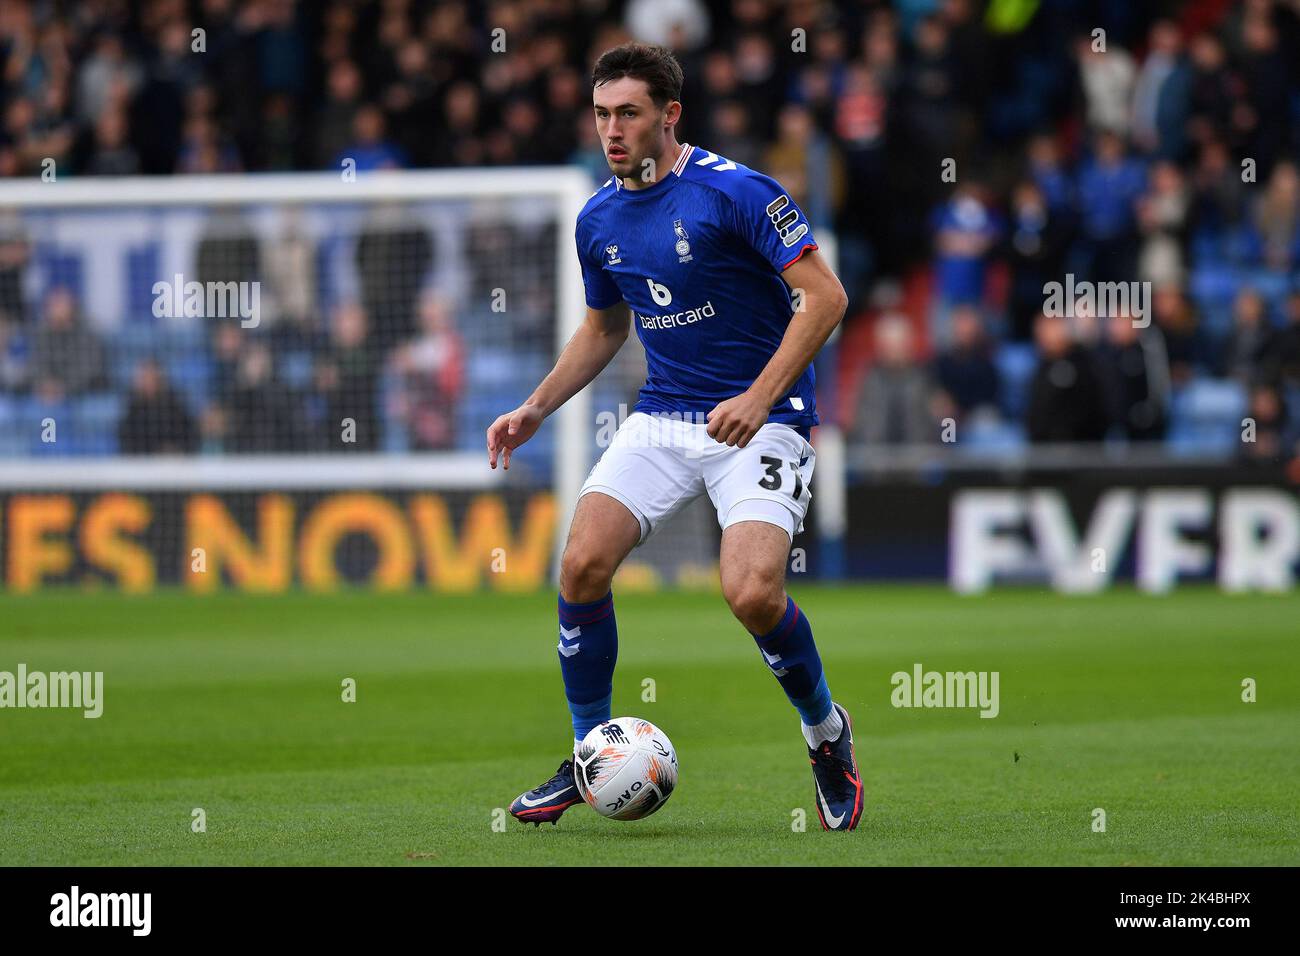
(626, 768)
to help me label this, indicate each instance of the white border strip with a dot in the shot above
(297, 187)
(449, 470)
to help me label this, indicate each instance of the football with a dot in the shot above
(626, 768)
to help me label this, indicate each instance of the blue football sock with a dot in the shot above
(792, 656)
(588, 649)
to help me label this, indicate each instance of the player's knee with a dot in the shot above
(757, 603)
(585, 575)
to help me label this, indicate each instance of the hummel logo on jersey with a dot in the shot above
(710, 158)
(569, 645)
(683, 247)
(613, 255)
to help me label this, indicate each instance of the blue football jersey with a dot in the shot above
(698, 258)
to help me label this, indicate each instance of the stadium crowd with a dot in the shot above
(963, 153)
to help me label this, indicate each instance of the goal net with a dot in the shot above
(285, 380)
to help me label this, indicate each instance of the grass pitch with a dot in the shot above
(232, 704)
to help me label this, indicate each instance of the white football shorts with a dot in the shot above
(657, 464)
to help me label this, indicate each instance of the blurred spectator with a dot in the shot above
(15, 252)
(758, 82)
(205, 150)
(803, 160)
(20, 135)
(929, 96)
(13, 357)
(1282, 359)
(1214, 90)
(1162, 218)
(333, 124)
(228, 249)
(522, 129)
(298, 345)
(1245, 349)
(107, 78)
(729, 133)
(227, 347)
(369, 149)
(1268, 87)
(927, 128)
(394, 255)
(431, 371)
(1274, 437)
(280, 136)
(1109, 186)
(965, 231)
(860, 114)
(1066, 402)
(1275, 220)
(1035, 246)
(965, 372)
(156, 420)
(461, 143)
(1135, 378)
(893, 404)
(685, 22)
(1174, 316)
(410, 98)
(111, 154)
(290, 266)
(970, 49)
(1050, 175)
(263, 415)
(346, 376)
(566, 104)
(159, 109)
(1161, 98)
(53, 131)
(1219, 191)
(67, 358)
(1106, 73)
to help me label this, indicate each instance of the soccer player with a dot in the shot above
(705, 255)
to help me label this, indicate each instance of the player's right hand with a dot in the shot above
(510, 431)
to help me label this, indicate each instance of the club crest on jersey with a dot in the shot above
(612, 252)
(683, 247)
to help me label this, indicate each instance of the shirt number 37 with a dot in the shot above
(771, 480)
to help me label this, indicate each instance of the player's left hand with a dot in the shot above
(737, 420)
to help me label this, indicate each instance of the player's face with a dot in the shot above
(631, 127)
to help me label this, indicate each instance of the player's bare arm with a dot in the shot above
(735, 421)
(592, 347)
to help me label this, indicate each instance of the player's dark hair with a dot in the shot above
(656, 65)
